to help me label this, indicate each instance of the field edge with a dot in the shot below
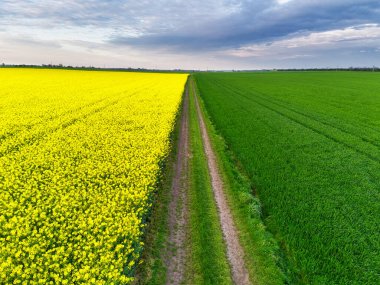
(151, 269)
(265, 264)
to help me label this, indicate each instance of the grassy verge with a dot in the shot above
(207, 253)
(262, 253)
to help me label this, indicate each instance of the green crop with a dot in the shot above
(310, 143)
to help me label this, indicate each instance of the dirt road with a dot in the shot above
(178, 207)
(234, 250)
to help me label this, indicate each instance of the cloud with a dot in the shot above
(281, 2)
(258, 21)
(356, 36)
(201, 30)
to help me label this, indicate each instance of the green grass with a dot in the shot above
(310, 144)
(207, 254)
(262, 256)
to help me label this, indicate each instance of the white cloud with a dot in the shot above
(358, 35)
(282, 2)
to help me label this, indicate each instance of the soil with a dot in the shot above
(178, 212)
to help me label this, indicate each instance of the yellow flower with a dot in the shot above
(79, 159)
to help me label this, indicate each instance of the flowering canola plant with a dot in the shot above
(80, 156)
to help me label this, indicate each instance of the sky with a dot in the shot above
(191, 34)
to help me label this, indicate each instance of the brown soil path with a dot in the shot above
(235, 252)
(178, 216)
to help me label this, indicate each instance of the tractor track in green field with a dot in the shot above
(353, 146)
(264, 97)
(320, 132)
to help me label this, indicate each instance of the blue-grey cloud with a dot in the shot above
(260, 21)
(201, 28)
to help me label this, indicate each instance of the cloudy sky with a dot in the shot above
(191, 34)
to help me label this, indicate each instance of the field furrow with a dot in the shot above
(360, 135)
(309, 143)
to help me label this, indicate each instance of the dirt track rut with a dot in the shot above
(178, 205)
(235, 252)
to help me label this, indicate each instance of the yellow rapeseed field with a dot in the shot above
(80, 154)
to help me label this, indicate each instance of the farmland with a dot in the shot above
(80, 157)
(260, 178)
(310, 145)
